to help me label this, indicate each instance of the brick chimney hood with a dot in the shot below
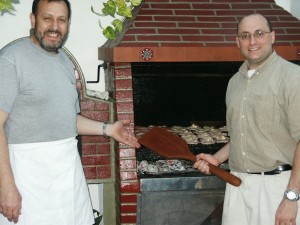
(196, 30)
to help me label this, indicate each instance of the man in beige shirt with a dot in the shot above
(263, 108)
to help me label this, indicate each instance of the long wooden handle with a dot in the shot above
(224, 175)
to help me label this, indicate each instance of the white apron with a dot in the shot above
(51, 181)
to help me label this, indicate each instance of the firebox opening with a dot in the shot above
(181, 93)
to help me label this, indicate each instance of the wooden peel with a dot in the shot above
(171, 146)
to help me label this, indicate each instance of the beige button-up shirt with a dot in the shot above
(263, 115)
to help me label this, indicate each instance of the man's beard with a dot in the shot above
(50, 47)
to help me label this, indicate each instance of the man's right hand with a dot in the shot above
(202, 162)
(10, 198)
(10, 202)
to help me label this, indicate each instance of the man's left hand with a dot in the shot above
(286, 213)
(118, 132)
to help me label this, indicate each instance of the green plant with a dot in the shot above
(122, 8)
(7, 6)
(98, 217)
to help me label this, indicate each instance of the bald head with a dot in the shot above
(267, 21)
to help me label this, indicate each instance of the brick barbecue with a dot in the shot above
(167, 31)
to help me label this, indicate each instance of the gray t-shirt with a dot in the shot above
(38, 91)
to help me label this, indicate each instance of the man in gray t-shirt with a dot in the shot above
(47, 98)
(38, 110)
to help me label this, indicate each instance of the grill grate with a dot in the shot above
(150, 164)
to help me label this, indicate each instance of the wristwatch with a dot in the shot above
(291, 195)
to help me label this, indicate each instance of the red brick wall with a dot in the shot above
(173, 23)
(95, 149)
(129, 184)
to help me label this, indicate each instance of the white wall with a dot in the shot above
(293, 6)
(96, 193)
(84, 39)
(286, 4)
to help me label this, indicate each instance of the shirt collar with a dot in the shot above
(244, 67)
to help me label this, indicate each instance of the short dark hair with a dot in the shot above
(253, 14)
(36, 3)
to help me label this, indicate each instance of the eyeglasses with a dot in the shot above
(258, 34)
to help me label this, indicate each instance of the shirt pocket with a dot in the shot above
(263, 108)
